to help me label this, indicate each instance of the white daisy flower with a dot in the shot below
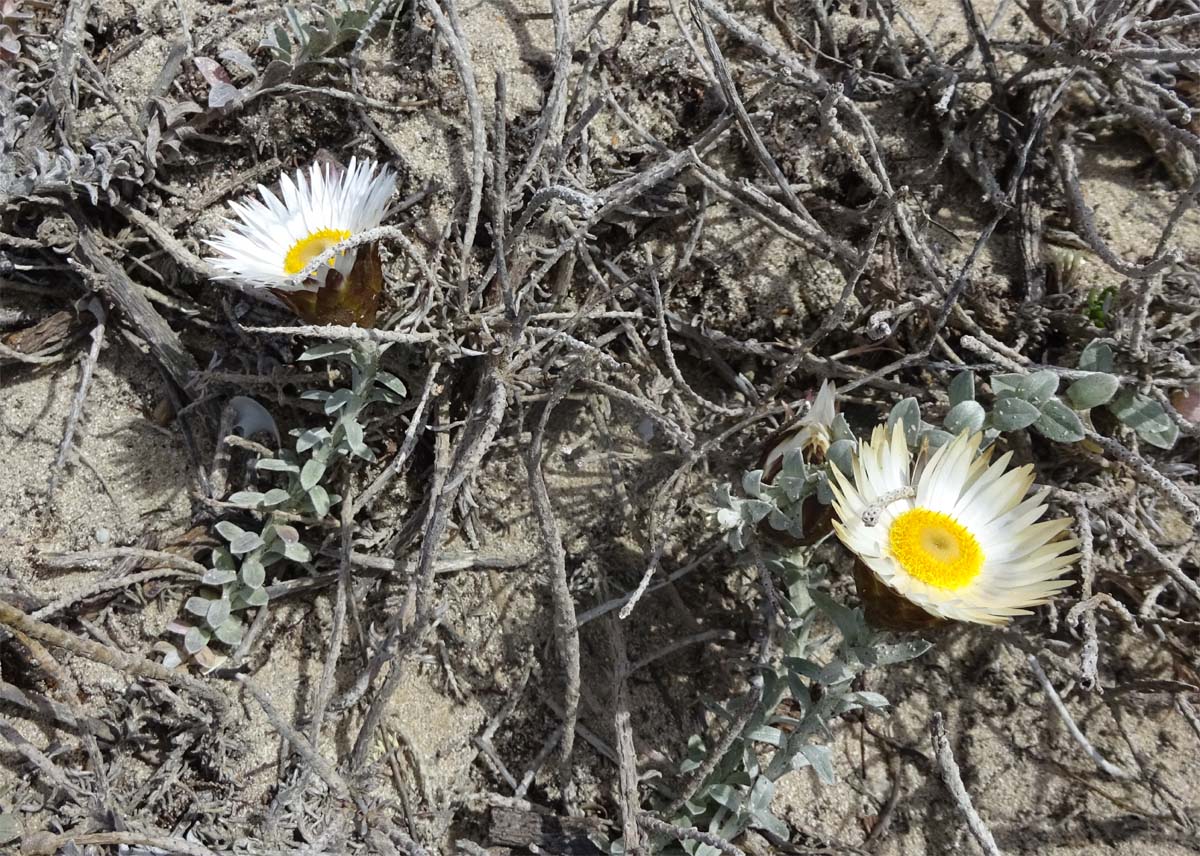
(274, 240)
(957, 537)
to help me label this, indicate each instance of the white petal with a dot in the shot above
(252, 247)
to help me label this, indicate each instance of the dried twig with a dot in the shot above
(130, 664)
(1061, 709)
(954, 784)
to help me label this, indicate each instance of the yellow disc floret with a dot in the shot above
(935, 548)
(308, 248)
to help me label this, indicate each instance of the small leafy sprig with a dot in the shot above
(1032, 401)
(780, 503)
(781, 500)
(303, 41)
(237, 578)
(803, 694)
(1141, 413)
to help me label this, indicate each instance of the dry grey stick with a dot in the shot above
(687, 833)
(1061, 709)
(954, 783)
(500, 219)
(1161, 559)
(47, 844)
(725, 80)
(67, 687)
(58, 104)
(1085, 220)
(627, 780)
(554, 114)
(94, 558)
(85, 382)
(450, 29)
(130, 664)
(353, 334)
(436, 521)
(39, 759)
(343, 590)
(109, 585)
(1146, 290)
(416, 425)
(669, 355)
(53, 710)
(566, 630)
(170, 244)
(138, 313)
(301, 746)
(1087, 573)
(1149, 475)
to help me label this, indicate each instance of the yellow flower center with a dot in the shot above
(935, 548)
(308, 248)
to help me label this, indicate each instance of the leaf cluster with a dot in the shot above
(237, 579)
(803, 695)
(1033, 401)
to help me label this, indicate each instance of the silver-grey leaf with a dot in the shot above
(967, 415)
(1096, 357)
(1011, 413)
(1038, 387)
(1059, 422)
(245, 542)
(1092, 391)
(962, 388)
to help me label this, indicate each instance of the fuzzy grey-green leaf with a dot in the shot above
(245, 542)
(391, 382)
(326, 350)
(247, 498)
(318, 497)
(354, 436)
(253, 573)
(311, 474)
(10, 827)
(1038, 387)
(297, 553)
(907, 411)
(218, 612)
(229, 530)
(229, 631)
(841, 453)
(218, 577)
(967, 415)
(1092, 391)
(1006, 383)
(194, 640)
(1147, 417)
(337, 400)
(310, 438)
(821, 759)
(275, 496)
(962, 388)
(1059, 422)
(1011, 413)
(1096, 357)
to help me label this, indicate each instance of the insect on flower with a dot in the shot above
(956, 537)
(273, 240)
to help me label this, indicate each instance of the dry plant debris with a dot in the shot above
(535, 558)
